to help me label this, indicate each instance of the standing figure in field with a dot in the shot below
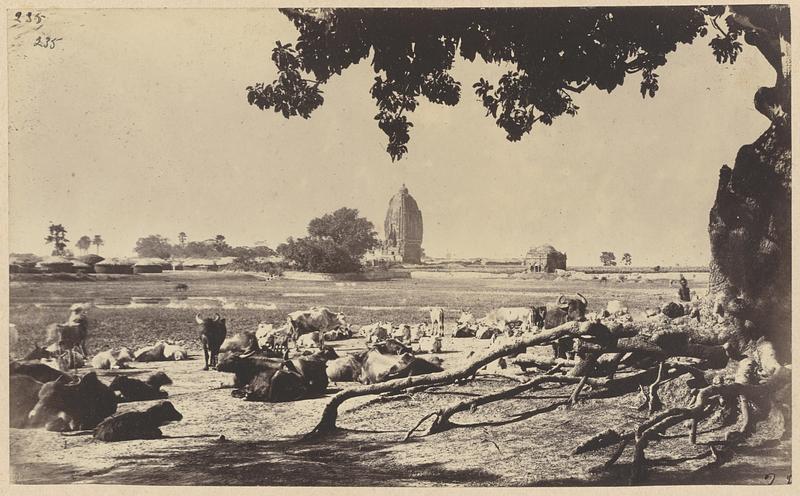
(437, 320)
(212, 335)
(683, 290)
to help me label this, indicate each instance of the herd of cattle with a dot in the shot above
(265, 368)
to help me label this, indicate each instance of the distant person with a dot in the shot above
(683, 290)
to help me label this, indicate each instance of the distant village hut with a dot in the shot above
(114, 267)
(545, 258)
(55, 265)
(23, 264)
(81, 267)
(148, 266)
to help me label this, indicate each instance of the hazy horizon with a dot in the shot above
(138, 124)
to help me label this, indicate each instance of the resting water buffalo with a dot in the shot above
(279, 385)
(80, 405)
(137, 425)
(23, 394)
(244, 342)
(37, 353)
(136, 390)
(39, 371)
(212, 335)
(563, 311)
(437, 320)
(246, 367)
(312, 369)
(315, 319)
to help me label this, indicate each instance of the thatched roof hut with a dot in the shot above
(55, 264)
(148, 266)
(81, 267)
(114, 266)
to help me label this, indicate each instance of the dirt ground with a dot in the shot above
(227, 441)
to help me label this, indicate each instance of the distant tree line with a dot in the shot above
(157, 246)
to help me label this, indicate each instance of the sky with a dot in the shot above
(137, 123)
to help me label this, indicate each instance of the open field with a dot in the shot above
(522, 441)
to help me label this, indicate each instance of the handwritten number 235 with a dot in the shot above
(47, 42)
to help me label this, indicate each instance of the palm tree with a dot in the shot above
(182, 238)
(98, 241)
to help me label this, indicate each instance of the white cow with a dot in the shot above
(437, 320)
(507, 315)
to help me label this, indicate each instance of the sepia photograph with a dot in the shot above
(529, 246)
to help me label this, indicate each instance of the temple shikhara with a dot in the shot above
(402, 228)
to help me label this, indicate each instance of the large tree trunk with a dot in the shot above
(750, 222)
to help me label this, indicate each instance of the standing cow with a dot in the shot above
(562, 311)
(212, 335)
(314, 320)
(437, 320)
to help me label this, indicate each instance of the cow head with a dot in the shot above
(211, 325)
(574, 307)
(163, 413)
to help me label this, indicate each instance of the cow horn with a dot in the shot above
(198, 319)
(245, 355)
(217, 317)
(582, 298)
(561, 300)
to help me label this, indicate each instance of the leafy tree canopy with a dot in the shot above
(555, 53)
(336, 243)
(607, 258)
(153, 246)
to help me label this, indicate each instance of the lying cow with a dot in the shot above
(137, 425)
(81, 405)
(112, 360)
(312, 368)
(509, 316)
(131, 389)
(244, 342)
(372, 366)
(39, 371)
(246, 367)
(376, 332)
(23, 394)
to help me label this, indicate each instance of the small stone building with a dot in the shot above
(544, 258)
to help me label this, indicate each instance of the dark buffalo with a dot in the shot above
(23, 394)
(136, 390)
(278, 385)
(137, 425)
(246, 367)
(79, 405)
(313, 369)
(212, 335)
(563, 311)
(39, 371)
(37, 353)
